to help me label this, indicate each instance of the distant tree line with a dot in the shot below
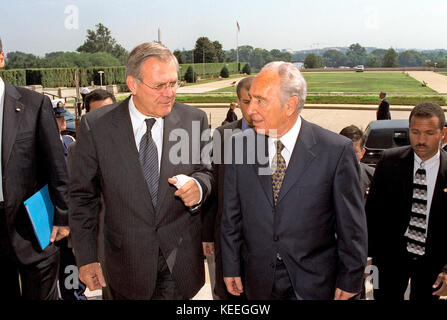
(358, 55)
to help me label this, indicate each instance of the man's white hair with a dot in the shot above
(291, 80)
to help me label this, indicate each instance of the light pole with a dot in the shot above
(100, 77)
(203, 64)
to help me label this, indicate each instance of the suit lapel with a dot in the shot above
(300, 160)
(438, 194)
(167, 169)
(11, 120)
(404, 168)
(124, 140)
(264, 178)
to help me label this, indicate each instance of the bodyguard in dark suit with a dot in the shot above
(406, 212)
(295, 218)
(383, 112)
(31, 157)
(133, 153)
(212, 212)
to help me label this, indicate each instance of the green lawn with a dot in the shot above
(359, 82)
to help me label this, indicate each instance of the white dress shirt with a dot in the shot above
(288, 140)
(431, 167)
(139, 130)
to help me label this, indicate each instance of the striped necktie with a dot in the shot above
(417, 228)
(149, 161)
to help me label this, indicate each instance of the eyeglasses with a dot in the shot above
(162, 86)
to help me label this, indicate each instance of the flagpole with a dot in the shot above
(237, 47)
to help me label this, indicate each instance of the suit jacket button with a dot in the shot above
(275, 238)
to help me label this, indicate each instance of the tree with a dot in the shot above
(410, 58)
(246, 69)
(100, 40)
(313, 61)
(18, 60)
(190, 75)
(334, 58)
(204, 48)
(224, 73)
(220, 53)
(356, 54)
(180, 56)
(390, 59)
(373, 61)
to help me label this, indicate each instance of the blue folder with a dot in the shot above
(41, 213)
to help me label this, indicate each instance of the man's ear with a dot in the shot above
(131, 84)
(444, 135)
(291, 105)
(2, 60)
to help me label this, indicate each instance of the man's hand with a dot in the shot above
(59, 233)
(189, 192)
(234, 285)
(91, 275)
(442, 279)
(343, 295)
(208, 249)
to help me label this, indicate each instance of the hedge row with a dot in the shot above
(210, 69)
(65, 77)
(14, 76)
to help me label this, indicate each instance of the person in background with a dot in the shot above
(212, 212)
(406, 212)
(231, 115)
(98, 98)
(69, 289)
(383, 112)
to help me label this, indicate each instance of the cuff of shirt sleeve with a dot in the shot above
(201, 194)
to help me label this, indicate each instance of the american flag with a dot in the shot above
(238, 27)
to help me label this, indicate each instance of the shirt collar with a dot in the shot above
(289, 139)
(428, 162)
(2, 88)
(137, 117)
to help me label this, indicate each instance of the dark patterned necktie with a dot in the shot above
(418, 222)
(279, 164)
(149, 161)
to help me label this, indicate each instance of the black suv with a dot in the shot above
(384, 134)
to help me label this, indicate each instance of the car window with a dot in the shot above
(69, 116)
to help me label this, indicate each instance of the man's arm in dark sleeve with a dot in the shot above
(84, 196)
(351, 222)
(51, 148)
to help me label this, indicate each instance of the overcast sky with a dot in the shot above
(41, 26)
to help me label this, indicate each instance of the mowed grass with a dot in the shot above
(359, 82)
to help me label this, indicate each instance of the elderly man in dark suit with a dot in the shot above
(31, 157)
(293, 211)
(406, 212)
(212, 212)
(136, 154)
(383, 112)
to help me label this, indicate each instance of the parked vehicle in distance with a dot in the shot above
(384, 134)
(359, 68)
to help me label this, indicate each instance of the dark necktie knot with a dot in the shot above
(149, 124)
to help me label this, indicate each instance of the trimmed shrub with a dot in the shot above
(16, 77)
(224, 73)
(246, 69)
(190, 75)
(211, 69)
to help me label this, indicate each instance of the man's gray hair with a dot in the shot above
(292, 82)
(1, 46)
(144, 51)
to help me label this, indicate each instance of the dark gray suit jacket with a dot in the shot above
(106, 161)
(32, 156)
(318, 225)
(366, 175)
